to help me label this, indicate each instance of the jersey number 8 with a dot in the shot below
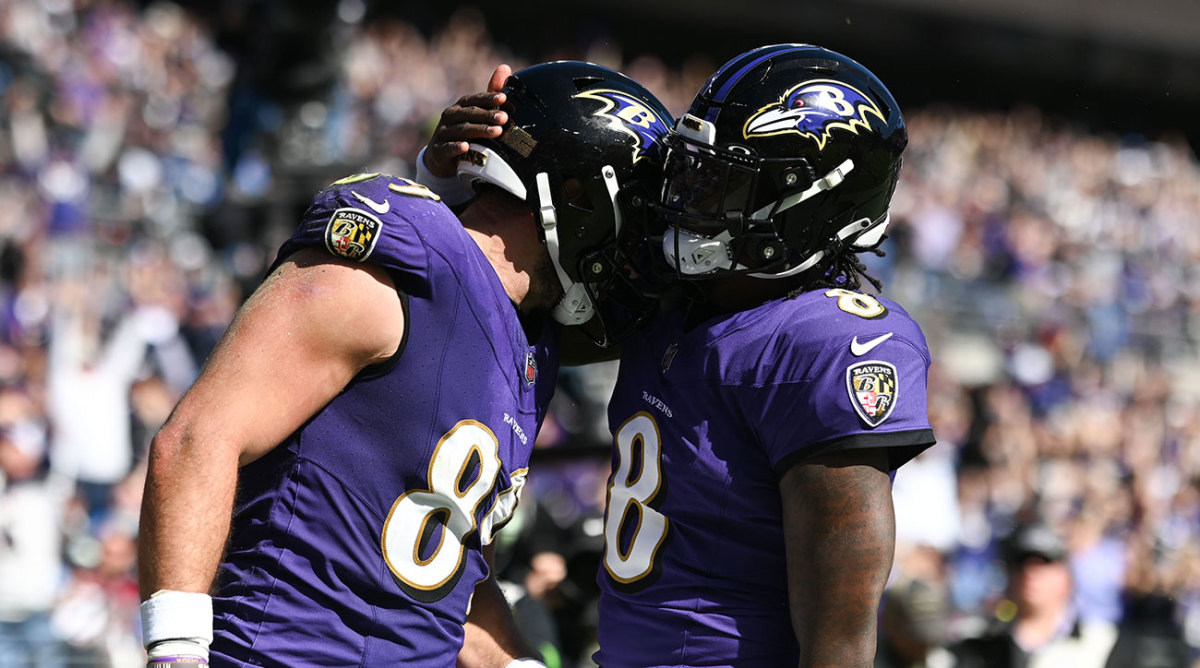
(462, 474)
(630, 493)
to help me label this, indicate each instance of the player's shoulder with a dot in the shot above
(834, 315)
(371, 214)
(384, 220)
(381, 195)
(801, 337)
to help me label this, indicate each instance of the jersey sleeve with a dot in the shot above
(862, 386)
(373, 218)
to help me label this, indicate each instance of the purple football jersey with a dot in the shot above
(706, 421)
(357, 541)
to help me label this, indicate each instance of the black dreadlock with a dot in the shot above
(841, 268)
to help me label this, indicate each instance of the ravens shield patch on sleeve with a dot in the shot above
(873, 388)
(352, 233)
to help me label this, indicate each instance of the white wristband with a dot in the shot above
(170, 615)
(451, 189)
(525, 663)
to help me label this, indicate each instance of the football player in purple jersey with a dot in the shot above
(749, 517)
(327, 491)
(757, 422)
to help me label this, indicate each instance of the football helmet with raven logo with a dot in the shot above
(788, 156)
(584, 146)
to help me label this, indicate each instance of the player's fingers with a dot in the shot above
(472, 116)
(440, 156)
(445, 152)
(482, 100)
(499, 77)
(478, 109)
(464, 131)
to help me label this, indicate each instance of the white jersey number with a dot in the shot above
(857, 303)
(412, 189)
(462, 473)
(629, 495)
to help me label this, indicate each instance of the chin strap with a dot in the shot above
(833, 179)
(838, 241)
(575, 307)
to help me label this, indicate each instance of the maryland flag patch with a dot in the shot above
(872, 386)
(352, 233)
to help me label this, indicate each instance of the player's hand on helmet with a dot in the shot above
(473, 116)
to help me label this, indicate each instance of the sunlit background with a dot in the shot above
(1046, 234)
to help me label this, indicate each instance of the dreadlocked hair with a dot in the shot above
(844, 270)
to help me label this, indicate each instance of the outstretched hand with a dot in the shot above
(473, 116)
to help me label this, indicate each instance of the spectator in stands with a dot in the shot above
(913, 626)
(31, 567)
(1039, 257)
(1038, 625)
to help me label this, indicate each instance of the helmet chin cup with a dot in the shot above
(575, 307)
(696, 255)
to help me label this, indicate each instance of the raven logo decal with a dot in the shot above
(814, 109)
(627, 114)
(873, 388)
(352, 233)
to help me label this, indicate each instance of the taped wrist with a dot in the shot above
(450, 188)
(177, 628)
(174, 661)
(525, 663)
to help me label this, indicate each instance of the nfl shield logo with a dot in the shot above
(530, 368)
(872, 386)
(669, 356)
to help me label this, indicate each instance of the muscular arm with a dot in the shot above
(299, 339)
(492, 639)
(839, 532)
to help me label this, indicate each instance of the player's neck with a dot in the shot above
(503, 228)
(515, 280)
(741, 293)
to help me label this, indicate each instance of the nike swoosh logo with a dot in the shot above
(859, 349)
(375, 206)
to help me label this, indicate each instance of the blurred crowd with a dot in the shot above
(144, 188)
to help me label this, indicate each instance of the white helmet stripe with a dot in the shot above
(492, 169)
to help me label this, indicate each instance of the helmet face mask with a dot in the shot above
(705, 183)
(582, 145)
(718, 204)
(788, 155)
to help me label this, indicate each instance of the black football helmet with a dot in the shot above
(788, 155)
(583, 145)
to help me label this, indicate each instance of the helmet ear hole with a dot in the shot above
(798, 177)
(575, 194)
